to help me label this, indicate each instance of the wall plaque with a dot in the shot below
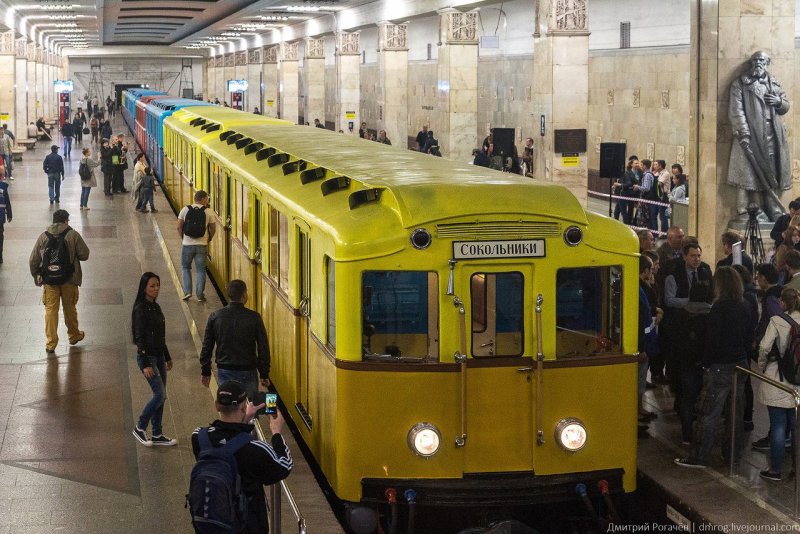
(569, 140)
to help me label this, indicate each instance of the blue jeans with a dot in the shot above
(154, 410)
(623, 208)
(54, 186)
(67, 145)
(714, 398)
(691, 380)
(147, 196)
(198, 254)
(781, 421)
(85, 196)
(248, 379)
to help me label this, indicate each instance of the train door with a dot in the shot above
(219, 249)
(304, 294)
(499, 397)
(255, 236)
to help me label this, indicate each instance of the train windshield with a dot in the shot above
(588, 311)
(400, 315)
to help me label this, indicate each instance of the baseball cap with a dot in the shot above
(54, 147)
(231, 393)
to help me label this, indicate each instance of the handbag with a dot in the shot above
(86, 131)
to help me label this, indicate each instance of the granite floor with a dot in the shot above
(68, 462)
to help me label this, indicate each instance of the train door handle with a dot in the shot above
(489, 343)
(524, 369)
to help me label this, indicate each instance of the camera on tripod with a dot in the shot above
(752, 212)
(752, 235)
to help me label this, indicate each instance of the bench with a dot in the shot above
(29, 144)
(16, 153)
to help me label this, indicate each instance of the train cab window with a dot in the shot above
(497, 314)
(330, 271)
(400, 311)
(588, 311)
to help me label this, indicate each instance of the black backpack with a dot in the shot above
(84, 172)
(215, 499)
(56, 267)
(789, 361)
(194, 225)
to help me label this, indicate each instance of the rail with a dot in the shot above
(795, 450)
(275, 491)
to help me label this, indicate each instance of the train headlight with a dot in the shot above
(571, 434)
(573, 236)
(421, 238)
(424, 439)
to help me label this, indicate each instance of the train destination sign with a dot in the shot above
(526, 248)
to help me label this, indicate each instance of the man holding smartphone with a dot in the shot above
(258, 463)
(241, 340)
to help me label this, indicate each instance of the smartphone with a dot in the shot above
(269, 399)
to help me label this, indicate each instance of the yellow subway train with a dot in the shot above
(467, 335)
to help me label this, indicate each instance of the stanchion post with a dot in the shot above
(796, 452)
(733, 418)
(275, 509)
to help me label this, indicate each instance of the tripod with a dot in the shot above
(752, 236)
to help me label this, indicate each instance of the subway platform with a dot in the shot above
(68, 461)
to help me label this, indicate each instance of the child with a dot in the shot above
(148, 189)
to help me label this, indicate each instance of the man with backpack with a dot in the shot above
(229, 458)
(54, 168)
(55, 263)
(196, 230)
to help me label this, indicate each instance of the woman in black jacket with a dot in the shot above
(153, 358)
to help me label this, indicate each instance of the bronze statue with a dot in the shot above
(760, 163)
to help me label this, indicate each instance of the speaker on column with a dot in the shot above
(612, 160)
(503, 141)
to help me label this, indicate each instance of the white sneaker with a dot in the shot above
(141, 437)
(163, 440)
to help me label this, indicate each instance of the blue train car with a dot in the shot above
(157, 111)
(129, 99)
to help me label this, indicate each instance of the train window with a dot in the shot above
(497, 314)
(588, 311)
(217, 199)
(400, 312)
(330, 270)
(279, 248)
(273, 242)
(244, 216)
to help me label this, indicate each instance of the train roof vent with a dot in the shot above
(264, 153)
(194, 121)
(213, 127)
(253, 147)
(312, 175)
(365, 196)
(224, 135)
(277, 159)
(294, 166)
(333, 185)
(241, 143)
(233, 138)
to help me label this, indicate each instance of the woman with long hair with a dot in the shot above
(152, 356)
(780, 405)
(729, 335)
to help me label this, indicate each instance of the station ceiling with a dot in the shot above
(194, 23)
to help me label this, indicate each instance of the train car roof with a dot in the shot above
(191, 120)
(170, 105)
(386, 183)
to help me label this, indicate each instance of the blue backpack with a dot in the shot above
(216, 500)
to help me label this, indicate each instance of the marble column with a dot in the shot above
(19, 121)
(252, 98)
(457, 91)
(8, 68)
(723, 37)
(314, 69)
(393, 82)
(50, 103)
(41, 85)
(288, 82)
(270, 76)
(348, 82)
(561, 90)
(229, 72)
(209, 79)
(31, 88)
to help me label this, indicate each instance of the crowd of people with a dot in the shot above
(696, 325)
(645, 192)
